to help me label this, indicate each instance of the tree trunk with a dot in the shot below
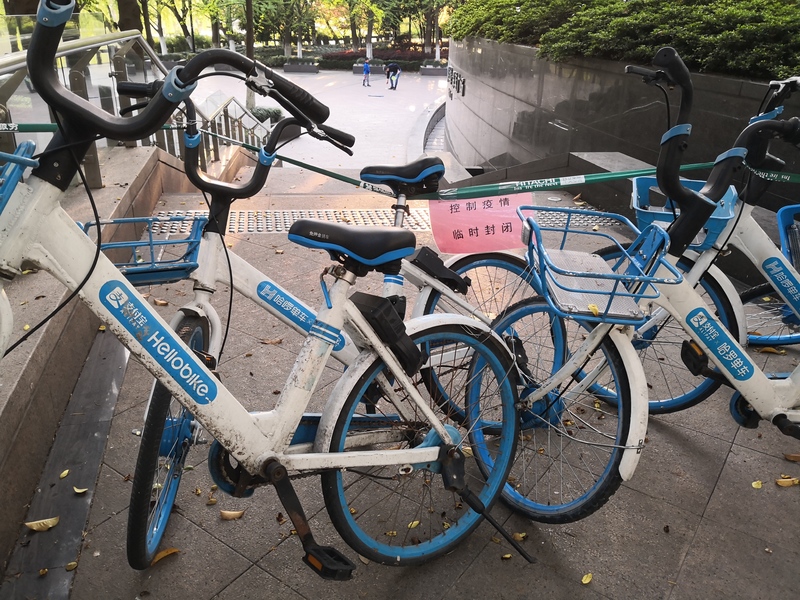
(130, 17)
(430, 25)
(148, 33)
(354, 34)
(215, 32)
(249, 50)
(332, 30)
(370, 25)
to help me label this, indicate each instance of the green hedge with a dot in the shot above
(751, 38)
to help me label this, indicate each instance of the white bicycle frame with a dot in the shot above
(768, 397)
(269, 295)
(34, 229)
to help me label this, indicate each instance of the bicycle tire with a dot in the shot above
(671, 386)
(397, 518)
(570, 447)
(770, 321)
(159, 465)
(497, 280)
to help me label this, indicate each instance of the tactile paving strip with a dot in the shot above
(279, 221)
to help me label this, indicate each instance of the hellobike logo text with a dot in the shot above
(161, 344)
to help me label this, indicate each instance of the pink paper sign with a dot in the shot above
(477, 225)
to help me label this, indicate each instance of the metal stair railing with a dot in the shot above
(130, 58)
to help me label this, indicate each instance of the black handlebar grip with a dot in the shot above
(634, 70)
(134, 89)
(667, 60)
(342, 137)
(310, 106)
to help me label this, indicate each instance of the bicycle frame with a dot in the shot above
(287, 308)
(768, 397)
(34, 229)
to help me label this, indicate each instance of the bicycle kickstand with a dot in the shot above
(452, 461)
(326, 561)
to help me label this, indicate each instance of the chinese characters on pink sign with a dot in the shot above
(477, 225)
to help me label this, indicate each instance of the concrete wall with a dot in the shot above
(507, 107)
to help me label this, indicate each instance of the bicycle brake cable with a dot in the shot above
(75, 292)
(230, 277)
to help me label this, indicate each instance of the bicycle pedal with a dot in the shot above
(329, 563)
(696, 362)
(693, 357)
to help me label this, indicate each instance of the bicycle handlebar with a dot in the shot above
(667, 60)
(51, 19)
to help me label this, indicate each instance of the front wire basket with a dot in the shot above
(163, 249)
(578, 284)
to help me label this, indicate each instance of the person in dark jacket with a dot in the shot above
(392, 75)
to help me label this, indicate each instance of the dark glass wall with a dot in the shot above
(506, 107)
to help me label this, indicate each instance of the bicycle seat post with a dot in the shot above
(400, 209)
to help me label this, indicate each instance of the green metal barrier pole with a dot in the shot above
(465, 193)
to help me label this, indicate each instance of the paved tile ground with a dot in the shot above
(688, 525)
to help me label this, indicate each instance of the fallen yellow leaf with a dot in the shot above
(79, 490)
(390, 534)
(586, 579)
(467, 451)
(594, 309)
(231, 515)
(162, 554)
(413, 524)
(211, 501)
(64, 473)
(71, 566)
(101, 328)
(792, 457)
(771, 350)
(42, 572)
(788, 482)
(506, 557)
(43, 524)
(596, 228)
(757, 484)
(159, 302)
(519, 536)
(26, 327)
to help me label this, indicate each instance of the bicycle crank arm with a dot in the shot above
(452, 461)
(326, 561)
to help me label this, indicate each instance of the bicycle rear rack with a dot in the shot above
(164, 251)
(578, 284)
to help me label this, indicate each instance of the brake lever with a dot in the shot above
(318, 134)
(259, 83)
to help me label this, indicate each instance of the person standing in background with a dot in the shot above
(365, 81)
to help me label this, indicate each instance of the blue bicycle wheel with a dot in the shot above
(570, 445)
(670, 385)
(166, 439)
(770, 321)
(402, 514)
